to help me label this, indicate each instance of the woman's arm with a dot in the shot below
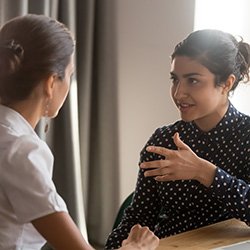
(185, 164)
(181, 164)
(61, 232)
(143, 210)
(145, 207)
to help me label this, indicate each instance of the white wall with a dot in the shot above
(147, 31)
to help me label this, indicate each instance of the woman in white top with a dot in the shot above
(36, 63)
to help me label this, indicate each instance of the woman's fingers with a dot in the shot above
(153, 164)
(158, 172)
(158, 150)
(141, 238)
(169, 152)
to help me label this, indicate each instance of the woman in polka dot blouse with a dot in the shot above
(196, 171)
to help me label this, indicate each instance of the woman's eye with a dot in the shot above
(193, 81)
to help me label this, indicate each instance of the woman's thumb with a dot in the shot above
(179, 143)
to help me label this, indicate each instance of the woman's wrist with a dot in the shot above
(206, 173)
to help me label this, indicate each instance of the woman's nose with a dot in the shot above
(180, 91)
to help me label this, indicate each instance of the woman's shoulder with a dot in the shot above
(171, 129)
(241, 120)
(163, 136)
(21, 152)
(25, 144)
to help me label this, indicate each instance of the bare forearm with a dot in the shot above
(61, 232)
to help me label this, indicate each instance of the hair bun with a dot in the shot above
(244, 49)
(15, 47)
(11, 57)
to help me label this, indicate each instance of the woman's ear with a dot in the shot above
(49, 85)
(228, 84)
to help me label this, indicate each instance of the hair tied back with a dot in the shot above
(15, 47)
(244, 49)
(11, 58)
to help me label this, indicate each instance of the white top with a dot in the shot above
(27, 191)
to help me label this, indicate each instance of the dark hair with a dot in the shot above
(32, 47)
(219, 52)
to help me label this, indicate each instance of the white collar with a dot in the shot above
(15, 121)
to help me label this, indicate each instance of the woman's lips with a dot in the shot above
(184, 107)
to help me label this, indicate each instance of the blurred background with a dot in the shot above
(120, 93)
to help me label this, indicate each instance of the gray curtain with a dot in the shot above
(84, 136)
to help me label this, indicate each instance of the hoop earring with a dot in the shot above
(46, 113)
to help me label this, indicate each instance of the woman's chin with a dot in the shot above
(186, 119)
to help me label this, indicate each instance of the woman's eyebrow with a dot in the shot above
(187, 75)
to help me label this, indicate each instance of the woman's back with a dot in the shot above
(25, 165)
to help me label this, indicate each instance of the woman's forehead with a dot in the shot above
(187, 65)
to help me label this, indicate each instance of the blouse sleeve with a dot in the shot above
(27, 179)
(234, 191)
(145, 206)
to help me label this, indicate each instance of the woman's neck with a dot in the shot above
(209, 122)
(30, 109)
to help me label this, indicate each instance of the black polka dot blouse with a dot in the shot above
(169, 208)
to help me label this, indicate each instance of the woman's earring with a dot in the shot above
(46, 113)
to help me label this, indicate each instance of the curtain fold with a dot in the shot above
(84, 136)
(12, 8)
(103, 165)
(84, 57)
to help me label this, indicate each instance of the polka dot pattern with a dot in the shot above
(173, 207)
